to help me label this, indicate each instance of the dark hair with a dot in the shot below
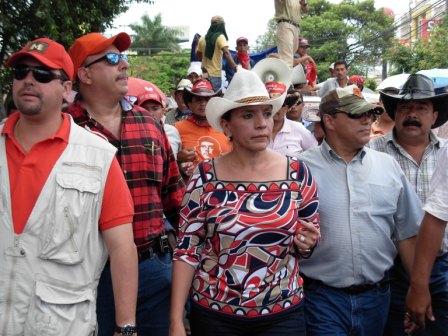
(227, 116)
(291, 99)
(344, 63)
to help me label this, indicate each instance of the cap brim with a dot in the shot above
(39, 57)
(218, 106)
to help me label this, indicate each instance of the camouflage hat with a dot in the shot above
(349, 100)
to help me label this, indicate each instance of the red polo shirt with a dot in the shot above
(28, 173)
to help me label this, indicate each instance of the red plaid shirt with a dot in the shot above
(149, 167)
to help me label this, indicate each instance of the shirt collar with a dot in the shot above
(330, 154)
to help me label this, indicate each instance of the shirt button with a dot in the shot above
(22, 252)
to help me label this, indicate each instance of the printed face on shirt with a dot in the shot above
(208, 147)
(414, 118)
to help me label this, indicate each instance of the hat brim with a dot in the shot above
(218, 106)
(188, 94)
(40, 57)
(440, 104)
(122, 41)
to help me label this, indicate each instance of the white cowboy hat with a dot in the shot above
(246, 88)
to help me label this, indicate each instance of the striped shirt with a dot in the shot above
(419, 175)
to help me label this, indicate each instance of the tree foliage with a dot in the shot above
(61, 20)
(351, 30)
(164, 70)
(422, 54)
(152, 35)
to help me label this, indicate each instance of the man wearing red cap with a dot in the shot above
(148, 165)
(64, 205)
(242, 57)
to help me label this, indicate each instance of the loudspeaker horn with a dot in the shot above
(273, 70)
(298, 75)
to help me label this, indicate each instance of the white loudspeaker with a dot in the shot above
(298, 75)
(273, 70)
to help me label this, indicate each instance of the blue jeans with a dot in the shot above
(208, 323)
(439, 299)
(216, 82)
(153, 301)
(331, 311)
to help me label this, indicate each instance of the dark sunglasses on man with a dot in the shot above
(40, 74)
(111, 58)
(371, 114)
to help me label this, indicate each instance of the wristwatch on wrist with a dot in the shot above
(126, 329)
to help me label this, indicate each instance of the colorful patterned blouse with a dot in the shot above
(239, 237)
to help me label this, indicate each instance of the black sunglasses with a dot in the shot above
(111, 58)
(41, 74)
(372, 114)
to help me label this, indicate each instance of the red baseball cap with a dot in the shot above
(242, 38)
(145, 96)
(94, 43)
(48, 52)
(303, 42)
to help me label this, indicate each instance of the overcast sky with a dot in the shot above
(243, 17)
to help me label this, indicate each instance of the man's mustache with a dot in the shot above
(412, 122)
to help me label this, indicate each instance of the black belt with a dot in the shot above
(295, 24)
(157, 245)
(353, 289)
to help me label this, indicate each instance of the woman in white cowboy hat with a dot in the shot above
(246, 220)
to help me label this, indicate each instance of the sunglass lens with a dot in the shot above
(43, 75)
(20, 73)
(114, 58)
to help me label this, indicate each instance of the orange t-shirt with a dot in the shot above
(28, 173)
(206, 141)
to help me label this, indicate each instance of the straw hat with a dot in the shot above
(246, 88)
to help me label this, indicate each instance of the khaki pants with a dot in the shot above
(287, 41)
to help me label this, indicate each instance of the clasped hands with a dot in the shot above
(307, 236)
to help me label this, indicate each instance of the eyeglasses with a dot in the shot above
(111, 58)
(371, 114)
(41, 74)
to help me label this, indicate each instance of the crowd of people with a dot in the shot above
(236, 213)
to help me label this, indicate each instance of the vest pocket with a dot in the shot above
(77, 211)
(60, 308)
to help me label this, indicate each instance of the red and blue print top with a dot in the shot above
(239, 238)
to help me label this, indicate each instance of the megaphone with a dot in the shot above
(298, 75)
(273, 70)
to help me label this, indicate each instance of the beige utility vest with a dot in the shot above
(50, 272)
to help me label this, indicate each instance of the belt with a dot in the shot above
(353, 289)
(157, 245)
(295, 24)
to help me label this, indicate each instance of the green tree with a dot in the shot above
(351, 30)
(152, 36)
(61, 20)
(164, 69)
